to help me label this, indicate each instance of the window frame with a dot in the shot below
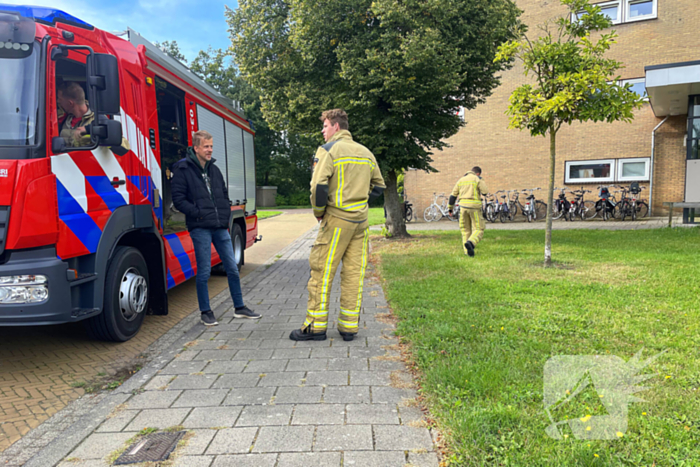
(647, 169)
(611, 178)
(636, 81)
(628, 5)
(611, 3)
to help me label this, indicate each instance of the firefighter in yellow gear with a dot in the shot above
(346, 176)
(467, 192)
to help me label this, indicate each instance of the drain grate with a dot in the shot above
(150, 448)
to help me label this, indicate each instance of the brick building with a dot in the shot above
(660, 48)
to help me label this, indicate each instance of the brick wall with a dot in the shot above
(512, 159)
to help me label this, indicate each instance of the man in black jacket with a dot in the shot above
(199, 192)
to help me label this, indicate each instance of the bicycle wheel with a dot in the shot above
(634, 211)
(529, 215)
(513, 208)
(589, 211)
(540, 210)
(502, 216)
(623, 210)
(557, 211)
(490, 213)
(455, 214)
(409, 214)
(642, 209)
(428, 215)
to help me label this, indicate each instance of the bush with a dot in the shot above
(294, 199)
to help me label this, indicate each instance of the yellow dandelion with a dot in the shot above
(595, 455)
(501, 328)
(586, 418)
(620, 434)
(668, 377)
(588, 428)
(644, 413)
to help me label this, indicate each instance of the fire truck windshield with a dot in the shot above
(19, 99)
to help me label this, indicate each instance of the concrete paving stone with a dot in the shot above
(378, 341)
(294, 395)
(193, 461)
(402, 438)
(410, 414)
(386, 365)
(307, 459)
(237, 380)
(384, 395)
(291, 353)
(187, 355)
(346, 395)
(192, 382)
(319, 414)
(370, 378)
(208, 345)
(277, 343)
(232, 440)
(229, 326)
(197, 443)
(266, 335)
(118, 421)
(327, 378)
(366, 352)
(242, 344)
(99, 445)
(76, 463)
(246, 460)
(227, 354)
(284, 438)
(307, 364)
(429, 459)
(158, 418)
(256, 325)
(254, 354)
(286, 378)
(352, 364)
(183, 368)
(210, 417)
(159, 382)
(266, 415)
(265, 366)
(229, 335)
(372, 459)
(343, 438)
(338, 341)
(250, 396)
(372, 414)
(284, 327)
(331, 352)
(153, 400)
(201, 398)
(219, 367)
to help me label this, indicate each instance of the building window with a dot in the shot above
(626, 11)
(633, 170)
(590, 171)
(636, 10)
(637, 85)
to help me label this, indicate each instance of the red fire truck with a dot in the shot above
(90, 233)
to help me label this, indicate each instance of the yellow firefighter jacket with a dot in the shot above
(468, 191)
(345, 176)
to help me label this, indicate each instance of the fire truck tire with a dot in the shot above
(125, 298)
(238, 244)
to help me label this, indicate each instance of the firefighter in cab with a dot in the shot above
(346, 176)
(467, 192)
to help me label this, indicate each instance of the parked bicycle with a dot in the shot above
(438, 209)
(630, 206)
(503, 212)
(606, 205)
(534, 209)
(489, 207)
(585, 210)
(561, 205)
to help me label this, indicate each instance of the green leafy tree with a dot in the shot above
(171, 48)
(401, 70)
(282, 159)
(573, 82)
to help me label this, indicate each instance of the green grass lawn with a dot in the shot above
(266, 214)
(376, 216)
(481, 329)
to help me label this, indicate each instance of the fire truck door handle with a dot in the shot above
(116, 182)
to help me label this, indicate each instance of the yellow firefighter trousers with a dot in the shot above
(337, 241)
(471, 223)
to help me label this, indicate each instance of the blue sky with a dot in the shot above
(194, 24)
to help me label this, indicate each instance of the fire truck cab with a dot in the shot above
(88, 230)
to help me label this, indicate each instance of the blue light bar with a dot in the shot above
(45, 15)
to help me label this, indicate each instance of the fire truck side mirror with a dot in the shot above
(58, 145)
(108, 132)
(103, 78)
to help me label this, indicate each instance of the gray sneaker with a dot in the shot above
(208, 318)
(246, 312)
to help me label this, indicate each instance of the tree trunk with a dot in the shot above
(550, 198)
(392, 205)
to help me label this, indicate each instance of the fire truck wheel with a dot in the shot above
(125, 297)
(238, 244)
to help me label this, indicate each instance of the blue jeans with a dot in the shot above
(202, 240)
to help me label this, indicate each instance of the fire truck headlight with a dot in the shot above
(23, 289)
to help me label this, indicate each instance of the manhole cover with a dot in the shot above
(150, 448)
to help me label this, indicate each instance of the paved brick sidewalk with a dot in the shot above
(252, 397)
